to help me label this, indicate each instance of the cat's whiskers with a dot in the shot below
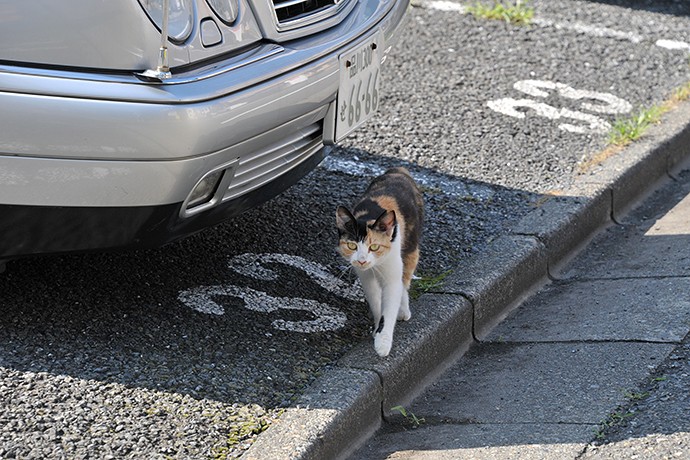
(333, 282)
(377, 270)
(342, 273)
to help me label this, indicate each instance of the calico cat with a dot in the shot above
(380, 238)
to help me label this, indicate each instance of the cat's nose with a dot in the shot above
(362, 262)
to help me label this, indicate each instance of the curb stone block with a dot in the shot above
(499, 278)
(633, 173)
(678, 145)
(342, 406)
(441, 327)
(565, 223)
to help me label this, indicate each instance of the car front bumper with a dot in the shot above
(84, 153)
(32, 230)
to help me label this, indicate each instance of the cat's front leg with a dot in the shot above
(392, 298)
(372, 292)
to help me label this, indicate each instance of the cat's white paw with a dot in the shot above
(404, 314)
(383, 344)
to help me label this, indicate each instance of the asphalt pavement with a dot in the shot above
(209, 345)
(592, 366)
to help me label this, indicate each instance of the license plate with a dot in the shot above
(360, 82)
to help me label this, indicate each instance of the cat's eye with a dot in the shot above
(352, 246)
(374, 247)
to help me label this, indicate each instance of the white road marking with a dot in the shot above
(592, 31)
(673, 45)
(250, 265)
(448, 186)
(612, 104)
(509, 106)
(205, 299)
(352, 167)
(443, 5)
(579, 27)
(537, 88)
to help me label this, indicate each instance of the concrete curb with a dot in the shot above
(349, 401)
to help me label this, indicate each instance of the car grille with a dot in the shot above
(294, 10)
(275, 160)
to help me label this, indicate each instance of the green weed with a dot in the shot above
(634, 396)
(518, 13)
(409, 416)
(627, 130)
(614, 418)
(681, 94)
(425, 283)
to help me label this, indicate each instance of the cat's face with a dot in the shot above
(363, 242)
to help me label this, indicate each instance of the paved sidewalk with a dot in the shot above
(594, 365)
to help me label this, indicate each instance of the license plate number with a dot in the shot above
(360, 83)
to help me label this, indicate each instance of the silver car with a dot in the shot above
(133, 123)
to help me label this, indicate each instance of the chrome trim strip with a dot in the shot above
(257, 181)
(292, 140)
(343, 7)
(287, 3)
(209, 71)
(215, 70)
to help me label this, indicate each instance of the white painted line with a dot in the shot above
(579, 27)
(673, 45)
(453, 188)
(353, 167)
(443, 5)
(592, 31)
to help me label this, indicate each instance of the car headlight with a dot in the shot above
(180, 17)
(225, 9)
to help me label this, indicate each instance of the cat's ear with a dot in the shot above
(386, 222)
(344, 220)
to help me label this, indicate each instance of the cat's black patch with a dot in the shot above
(371, 209)
(349, 226)
(361, 231)
(395, 183)
(354, 230)
(380, 328)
